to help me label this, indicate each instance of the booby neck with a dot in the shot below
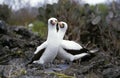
(51, 29)
(62, 31)
(52, 34)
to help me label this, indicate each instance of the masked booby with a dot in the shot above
(69, 50)
(47, 51)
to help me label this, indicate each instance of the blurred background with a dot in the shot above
(94, 22)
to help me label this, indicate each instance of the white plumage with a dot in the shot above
(50, 46)
(70, 45)
(66, 44)
(56, 46)
(42, 46)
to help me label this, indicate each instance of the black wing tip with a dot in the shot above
(92, 51)
(84, 50)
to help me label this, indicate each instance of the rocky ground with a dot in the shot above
(17, 45)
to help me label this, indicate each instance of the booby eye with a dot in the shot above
(51, 22)
(62, 25)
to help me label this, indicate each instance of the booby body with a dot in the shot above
(69, 50)
(50, 47)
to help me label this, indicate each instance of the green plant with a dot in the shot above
(40, 28)
(60, 75)
(103, 8)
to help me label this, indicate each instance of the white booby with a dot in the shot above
(69, 50)
(47, 51)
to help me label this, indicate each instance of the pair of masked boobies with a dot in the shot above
(55, 46)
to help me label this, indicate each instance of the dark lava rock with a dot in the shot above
(17, 45)
(23, 31)
(112, 72)
(16, 42)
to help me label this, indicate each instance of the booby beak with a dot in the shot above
(53, 22)
(58, 24)
(61, 25)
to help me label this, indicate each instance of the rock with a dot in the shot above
(23, 32)
(4, 55)
(112, 72)
(1, 71)
(11, 42)
(3, 28)
(17, 43)
(26, 76)
(96, 20)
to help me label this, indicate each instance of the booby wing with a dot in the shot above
(74, 48)
(74, 52)
(70, 45)
(68, 56)
(41, 47)
(37, 55)
(72, 55)
(39, 51)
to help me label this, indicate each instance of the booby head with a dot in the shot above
(63, 26)
(62, 29)
(52, 21)
(52, 24)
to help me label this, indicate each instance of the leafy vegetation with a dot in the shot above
(40, 28)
